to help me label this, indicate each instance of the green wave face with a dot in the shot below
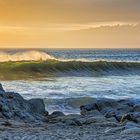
(52, 68)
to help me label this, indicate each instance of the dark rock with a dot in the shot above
(136, 115)
(46, 113)
(64, 118)
(110, 114)
(37, 106)
(89, 120)
(14, 106)
(73, 122)
(101, 105)
(12, 95)
(113, 108)
(86, 109)
(128, 117)
(106, 103)
(7, 123)
(136, 108)
(57, 114)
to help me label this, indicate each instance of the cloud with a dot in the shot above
(106, 36)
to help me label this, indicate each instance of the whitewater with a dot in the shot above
(65, 78)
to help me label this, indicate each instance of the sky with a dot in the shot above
(70, 23)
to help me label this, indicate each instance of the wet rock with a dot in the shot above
(37, 106)
(72, 117)
(128, 117)
(127, 102)
(46, 113)
(102, 105)
(109, 114)
(64, 118)
(117, 111)
(91, 113)
(11, 95)
(85, 109)
(90, 120)
(106, 103)
(73, 122)
(77, 102)
(136, 108)
(112, 109)
(7, 123)
(57, 114)
(136, 116)
(14, 106)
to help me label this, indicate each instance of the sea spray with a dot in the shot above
(25, 56)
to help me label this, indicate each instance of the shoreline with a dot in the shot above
(102, 119)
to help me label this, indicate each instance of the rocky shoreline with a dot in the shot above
(104, 119)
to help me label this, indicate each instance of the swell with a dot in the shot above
(50, 68)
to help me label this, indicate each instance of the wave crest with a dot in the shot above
(25, 56)
(53, 68)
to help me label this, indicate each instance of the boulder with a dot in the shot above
(85, 109)
(57, 114)
(14, 106)
(113, 109)
(37, 106)
(106, 103)
(102, 105)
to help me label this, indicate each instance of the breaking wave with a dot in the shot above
(25, 56)
(35, 64)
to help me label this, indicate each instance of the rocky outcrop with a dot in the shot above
(103, 117)
(125, 113)
(112, 108)
(14, 106)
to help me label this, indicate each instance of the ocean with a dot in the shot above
(68, 78)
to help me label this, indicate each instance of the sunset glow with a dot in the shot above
(70, 23)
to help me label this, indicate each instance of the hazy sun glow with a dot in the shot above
(70, 23)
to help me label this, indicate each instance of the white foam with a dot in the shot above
(25, 56)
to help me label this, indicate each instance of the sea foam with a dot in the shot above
(25, 56)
